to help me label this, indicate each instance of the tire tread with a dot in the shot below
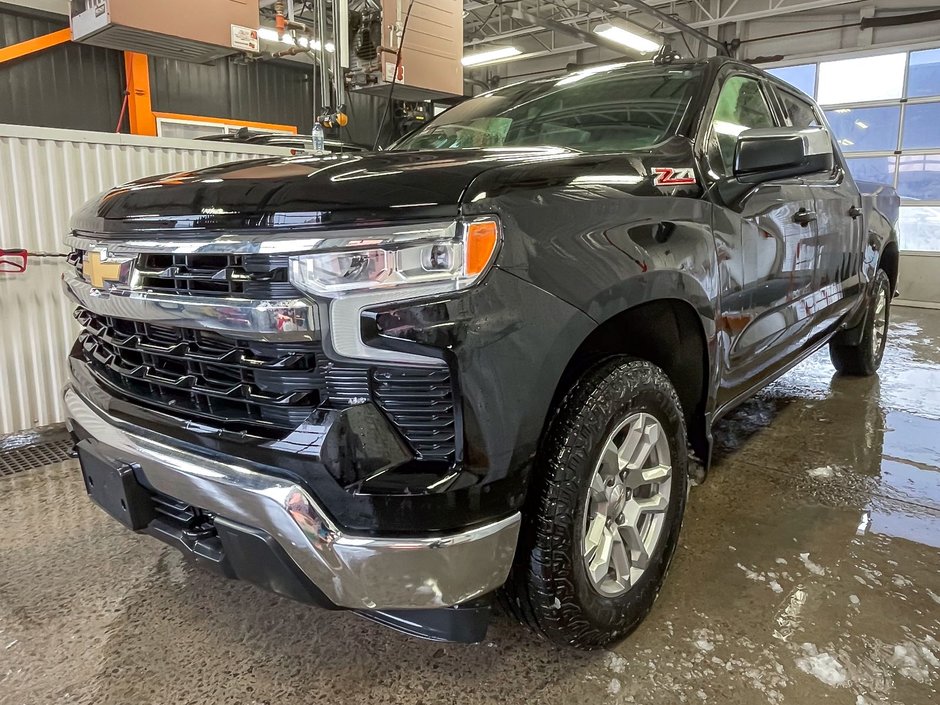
(529, 593)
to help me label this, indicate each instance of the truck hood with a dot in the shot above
(303, 191)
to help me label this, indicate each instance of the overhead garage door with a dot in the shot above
(884, 110)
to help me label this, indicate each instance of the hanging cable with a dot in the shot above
(391, 88)
(127, 96)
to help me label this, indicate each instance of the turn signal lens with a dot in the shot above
(482, 237)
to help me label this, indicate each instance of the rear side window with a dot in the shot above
(799, 112)
(741, 106)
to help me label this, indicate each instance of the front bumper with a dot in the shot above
(351, 571)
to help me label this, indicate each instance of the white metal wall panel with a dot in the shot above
(36, 333)
(920, 277)
(45, 175)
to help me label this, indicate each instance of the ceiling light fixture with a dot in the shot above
(490, 56)
(616, 33)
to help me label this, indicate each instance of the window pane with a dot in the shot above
(863, 79)
(919, 177)
(801, 113)
(741, 106)
(923, 77)
(919, 228)
(802, 77)
(922, 126)
(866, 129)
(877, 169)
(187, 130)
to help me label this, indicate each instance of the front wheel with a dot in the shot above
(864, 359)
(605, 517)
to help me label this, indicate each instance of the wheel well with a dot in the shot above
(667, 333)
(889, 262)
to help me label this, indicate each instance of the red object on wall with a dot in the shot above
(13, 261)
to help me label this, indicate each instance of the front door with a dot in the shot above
(766, 243)
(839, 246)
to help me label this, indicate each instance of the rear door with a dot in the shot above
(838, 225)
(766, 249)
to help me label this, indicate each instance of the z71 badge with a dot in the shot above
(669, 176)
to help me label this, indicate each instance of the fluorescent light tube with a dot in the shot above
(490, 56)
(624, 36)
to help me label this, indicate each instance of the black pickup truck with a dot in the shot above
(486, 362)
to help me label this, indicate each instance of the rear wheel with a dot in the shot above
(864, 359)
(606, 513)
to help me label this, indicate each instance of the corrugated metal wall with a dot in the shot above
(44, 176)
(77, 86)
(71, 85)
(276, 92)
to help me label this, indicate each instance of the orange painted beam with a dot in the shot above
(235, 122)
(31, 46)
(139, 107)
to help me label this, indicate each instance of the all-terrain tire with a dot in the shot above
(549, 588)
(864, 359)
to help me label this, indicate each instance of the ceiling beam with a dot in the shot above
(678, 24)
(572, 31)
(780, 10)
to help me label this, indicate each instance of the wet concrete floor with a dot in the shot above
(809, 571)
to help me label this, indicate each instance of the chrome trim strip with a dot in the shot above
(288, 320)
(268, 242)
(360, 572)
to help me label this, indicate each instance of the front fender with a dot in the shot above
(603, 250)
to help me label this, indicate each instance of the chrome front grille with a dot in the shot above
(259, 277)
(248, 276)
(244, 364)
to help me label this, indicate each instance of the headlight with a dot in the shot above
(459, 253)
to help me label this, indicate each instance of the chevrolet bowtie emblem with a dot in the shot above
(98, 269)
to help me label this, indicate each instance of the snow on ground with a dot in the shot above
(822, 665)
(814, 568)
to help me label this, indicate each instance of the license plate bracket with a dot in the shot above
(111, 485)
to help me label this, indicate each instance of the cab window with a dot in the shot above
(799, 112)
(741, 106)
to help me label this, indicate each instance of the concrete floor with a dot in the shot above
(809, 571)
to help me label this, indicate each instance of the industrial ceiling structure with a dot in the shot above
(538, 37)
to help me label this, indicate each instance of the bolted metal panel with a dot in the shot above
(46, 174)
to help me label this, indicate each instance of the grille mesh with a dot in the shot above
(201, 373)
(253, 385)
(421, 404)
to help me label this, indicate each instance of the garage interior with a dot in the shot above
(808, 567)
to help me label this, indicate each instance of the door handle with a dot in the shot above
(854, 212)
(804, 217)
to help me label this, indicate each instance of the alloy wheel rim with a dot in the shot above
(881, 323)
(624, 512)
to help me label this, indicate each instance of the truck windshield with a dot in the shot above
(594, 110)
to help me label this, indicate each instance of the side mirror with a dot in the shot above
(13, 261)
(766, 154)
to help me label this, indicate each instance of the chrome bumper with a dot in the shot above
(357, 572)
